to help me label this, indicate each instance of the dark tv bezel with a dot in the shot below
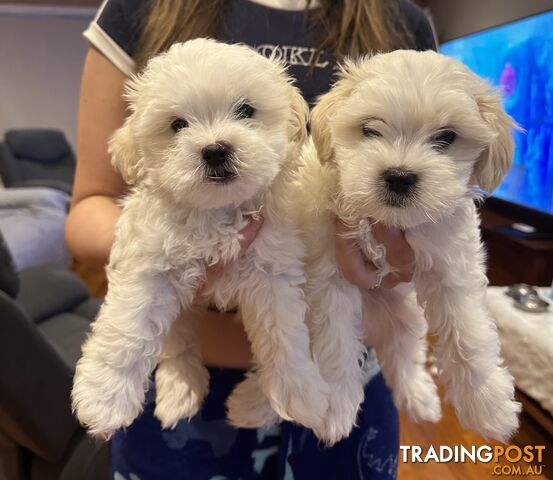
(541, 220)
(495, 26)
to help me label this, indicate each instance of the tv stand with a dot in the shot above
(528, 235)
(515, 256)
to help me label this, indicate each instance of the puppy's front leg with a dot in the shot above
(467, 351)
(396, 328)
(112, 375)
(334, 321)
(273, 311)
(182, 381)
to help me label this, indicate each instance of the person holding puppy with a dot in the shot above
(309, 36)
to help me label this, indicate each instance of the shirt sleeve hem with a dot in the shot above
(113, 52)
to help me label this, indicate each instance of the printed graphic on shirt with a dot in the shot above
(293, 55)
(118, 476)
(369, 458)
(220, 435)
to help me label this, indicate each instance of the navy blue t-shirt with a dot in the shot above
(116, 30)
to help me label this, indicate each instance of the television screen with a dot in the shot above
(518, 59)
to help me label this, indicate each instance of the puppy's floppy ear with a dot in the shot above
(297, 125)
(320, 124)
(321, 116)
(125, 156)
(496, 159)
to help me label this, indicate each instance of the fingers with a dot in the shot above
(399, 254)
(247, 234)
(393, 279)
(359, 271)
(353, 264)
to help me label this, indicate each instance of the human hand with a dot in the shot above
(249, 232)
(361, 272)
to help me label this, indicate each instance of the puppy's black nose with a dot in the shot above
(216, 154)
(399, 181)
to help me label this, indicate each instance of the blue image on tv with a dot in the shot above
(518, 59)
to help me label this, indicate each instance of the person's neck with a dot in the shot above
(287, 4)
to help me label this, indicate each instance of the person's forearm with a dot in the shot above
(89, 230)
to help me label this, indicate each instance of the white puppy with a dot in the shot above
(403, 138)
(213, 135)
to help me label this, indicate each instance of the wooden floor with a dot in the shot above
(447, 432)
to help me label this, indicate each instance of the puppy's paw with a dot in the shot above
(180, 391)
(343, 405)
(105, 399)
(490, 408)
(299, 395)
(248, 407)
(418, 397)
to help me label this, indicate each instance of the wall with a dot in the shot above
(454, 18)
(41, 57)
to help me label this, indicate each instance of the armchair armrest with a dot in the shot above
(35, 386)
(45, 291)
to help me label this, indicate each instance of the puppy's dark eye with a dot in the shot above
(443, 139)
(244, 111)
(370, 132)
(178, 124)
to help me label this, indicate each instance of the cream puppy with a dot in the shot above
(213, 136)
(403, 138)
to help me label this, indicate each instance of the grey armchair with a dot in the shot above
(45, 314)
(37, 158)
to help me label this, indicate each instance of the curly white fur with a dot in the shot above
(176, 220)
(384, 112)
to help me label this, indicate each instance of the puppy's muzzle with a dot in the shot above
(217, 158)
(399, 185)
